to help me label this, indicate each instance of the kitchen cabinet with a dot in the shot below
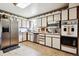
(44, 22)
(73, 13)
(39, 22)
(56, 43)
(29, 37)
(48, 41)
(32, 37)
(27, 24)
(20, 36)
(41, 40)
(56, 17)
(50, 19)
(23, 23)
(24, 36)
(65, 14)
(19, 22)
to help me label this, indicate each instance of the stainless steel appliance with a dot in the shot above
(9, 34)
(14, 31)
(5, 42)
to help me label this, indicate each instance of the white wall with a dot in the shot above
(73, 4)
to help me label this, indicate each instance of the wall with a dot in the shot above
(73, 4)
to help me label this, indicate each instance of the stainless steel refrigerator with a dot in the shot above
(9, 34)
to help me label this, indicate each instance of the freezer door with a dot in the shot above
(5, 41)
(14, 33)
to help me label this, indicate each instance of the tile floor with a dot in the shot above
(33, 49)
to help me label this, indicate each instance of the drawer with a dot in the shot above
(41, 42)
(69, 49)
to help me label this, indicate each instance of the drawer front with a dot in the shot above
(41, 42)
(48, 41)
(68, 49)
(56, 43)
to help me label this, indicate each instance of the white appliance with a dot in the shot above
(69, 28)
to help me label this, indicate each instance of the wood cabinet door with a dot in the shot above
(50, 19)
(56, 17)
(32, 37)
(56, 43)
(39, 22)
(73, 13)
(24, 36)
(48, 41)
(44, 22)
(23, 23)
(64, 14)
(29, 37)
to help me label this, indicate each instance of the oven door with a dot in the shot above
(69, 41)
(73, 30)
(64, 30)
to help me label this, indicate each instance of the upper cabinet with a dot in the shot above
(65, 14)
(19, 22)
(50, 19)
(28, 24)
(23, 23)
(38, 22)
(57, 17)
(73, 13)
(44, 22)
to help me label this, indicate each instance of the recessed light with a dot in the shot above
(22, 5)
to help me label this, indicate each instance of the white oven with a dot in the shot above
(69, 28)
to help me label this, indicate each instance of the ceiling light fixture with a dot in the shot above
(22, 5)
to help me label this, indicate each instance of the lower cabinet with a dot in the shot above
(24, 36)
(29, 37)
(20, 36)
(56, 43)
(41, 42)
(48, 41)
(32, 37)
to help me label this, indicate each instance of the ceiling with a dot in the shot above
(31, 10)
